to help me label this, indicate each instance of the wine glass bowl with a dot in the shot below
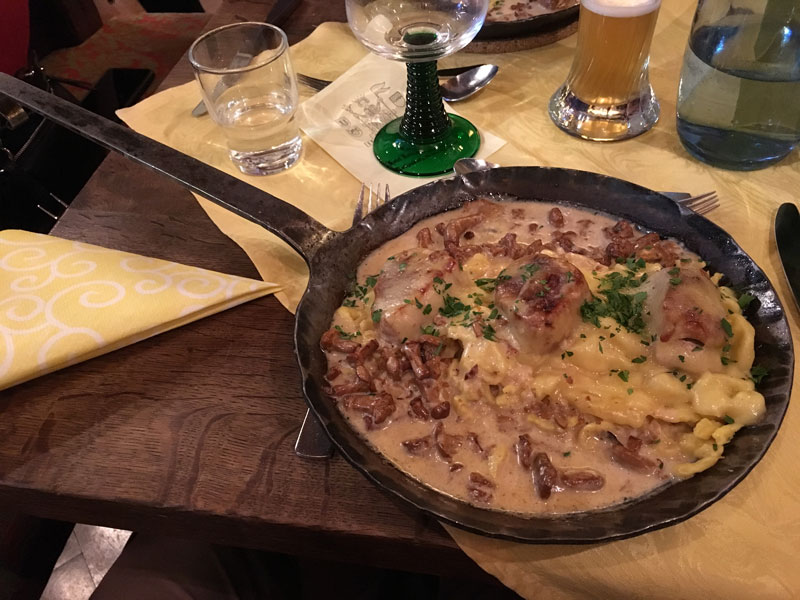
(415, 30)
(427, 140)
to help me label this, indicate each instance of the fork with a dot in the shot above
(312, 441)
(359, 213)
(702, 203)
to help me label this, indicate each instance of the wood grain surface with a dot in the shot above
(191, 433)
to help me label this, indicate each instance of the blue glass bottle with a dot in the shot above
(739, 95)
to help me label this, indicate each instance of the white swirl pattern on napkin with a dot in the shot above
(65, 301)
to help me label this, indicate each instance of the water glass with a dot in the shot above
(607, 95)
(250, 90)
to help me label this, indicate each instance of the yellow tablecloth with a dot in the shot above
(742, 547)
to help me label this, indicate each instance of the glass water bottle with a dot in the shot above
(739, 94)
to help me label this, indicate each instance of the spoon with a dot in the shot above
(464, 166)
(466, 84)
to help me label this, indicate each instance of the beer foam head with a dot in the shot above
(621, 8)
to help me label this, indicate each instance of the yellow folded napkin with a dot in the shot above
(62, 302)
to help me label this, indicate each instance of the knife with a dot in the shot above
(280, 11)
(787, 236)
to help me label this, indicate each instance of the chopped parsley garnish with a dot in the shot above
(632, 263)
(565, 454)
(625, 309)
(681, 358)
(726, 327)
(376, 315)
(583, 335)
(402, 266)
(344, 335)
(569, 276)
(726, 361)
(527, 271)
(360, 292)
(429, 330)
(623, 375)
(453, 307)
(682, 378)
(674, 271)
(675, 280)
(630, 391)
(639, 360)
(493, 315)
(715, 447)
(489, 283)
(600, 347)
(697, 349)
(745, 300)
(728, 420)
(614, 301)
(438, 349)
(757, 373)
(427, 310)
(418, 303)
(488, 332)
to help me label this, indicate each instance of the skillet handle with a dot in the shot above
(300, 231)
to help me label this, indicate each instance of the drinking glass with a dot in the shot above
(739, 95)
(426, 140)
(607, 95)
(249, 89)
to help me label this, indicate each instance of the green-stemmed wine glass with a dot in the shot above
(426, 140)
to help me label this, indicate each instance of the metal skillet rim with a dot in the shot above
(508, 30)
(410, 490)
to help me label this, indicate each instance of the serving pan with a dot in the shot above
(496, 30)
(332, 258)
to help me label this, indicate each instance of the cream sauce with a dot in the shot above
(599, 382)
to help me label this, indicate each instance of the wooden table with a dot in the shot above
(191, 433)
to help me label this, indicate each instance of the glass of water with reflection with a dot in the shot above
(250, 90)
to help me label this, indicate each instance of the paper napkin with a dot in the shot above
(62, 302)
(345, 116)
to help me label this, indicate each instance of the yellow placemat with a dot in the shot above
(62, 302)
(743, 546)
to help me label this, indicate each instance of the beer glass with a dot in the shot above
(607, 95)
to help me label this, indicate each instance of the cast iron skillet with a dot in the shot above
(494, 30)
(332, 258)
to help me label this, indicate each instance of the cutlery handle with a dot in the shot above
(312, 441)
(303, 233)
(453, 71)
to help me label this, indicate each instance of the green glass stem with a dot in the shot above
(425, 118)
(426, 141)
